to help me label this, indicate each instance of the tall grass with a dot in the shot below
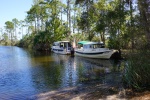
(137, 70)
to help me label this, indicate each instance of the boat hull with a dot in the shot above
(61, 51)
(101, 54)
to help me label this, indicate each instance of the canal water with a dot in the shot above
(25, 73)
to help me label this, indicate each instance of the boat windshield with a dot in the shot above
(65, 44)
(69, 44)
(98, 46)
(55, 43)
(93, 46)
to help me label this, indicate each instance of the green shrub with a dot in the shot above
(137, 70)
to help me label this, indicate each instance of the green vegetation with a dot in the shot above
(120, 24)
(137, 69)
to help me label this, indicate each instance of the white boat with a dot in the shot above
(61, 47)
(93, 50)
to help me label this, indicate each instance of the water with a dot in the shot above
(25, 73)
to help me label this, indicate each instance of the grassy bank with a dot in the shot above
(137, 70)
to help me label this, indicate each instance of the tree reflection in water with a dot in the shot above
(37, 72)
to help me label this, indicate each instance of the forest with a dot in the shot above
(119, 24)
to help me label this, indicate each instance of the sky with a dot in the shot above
(10, 9)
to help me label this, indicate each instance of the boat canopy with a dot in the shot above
(60, 41)
(88, 42)
(83, 42)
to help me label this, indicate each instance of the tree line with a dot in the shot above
(123, 22)
(119, 24)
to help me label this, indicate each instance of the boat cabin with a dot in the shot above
(90, 45)
(62, 44)
(63, 47)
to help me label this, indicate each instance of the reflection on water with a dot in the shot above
(25, 73)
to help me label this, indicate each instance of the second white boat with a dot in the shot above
(93, 50)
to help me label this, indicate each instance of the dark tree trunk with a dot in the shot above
(145, 17)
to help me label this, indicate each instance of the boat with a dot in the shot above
(93, 50)
(61, 47)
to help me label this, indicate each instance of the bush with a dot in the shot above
(137, 70)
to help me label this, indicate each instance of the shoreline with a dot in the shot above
(93, 91)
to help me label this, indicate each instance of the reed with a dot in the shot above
(137, 70)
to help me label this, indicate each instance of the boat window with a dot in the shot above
(85, 46)
(102, 46)
(54, 44)
(91, 46)
(69, 44)
(61, 44)
(94, 46)
(65, 44)
(98, 46)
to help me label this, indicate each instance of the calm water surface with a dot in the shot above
(25, 73)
